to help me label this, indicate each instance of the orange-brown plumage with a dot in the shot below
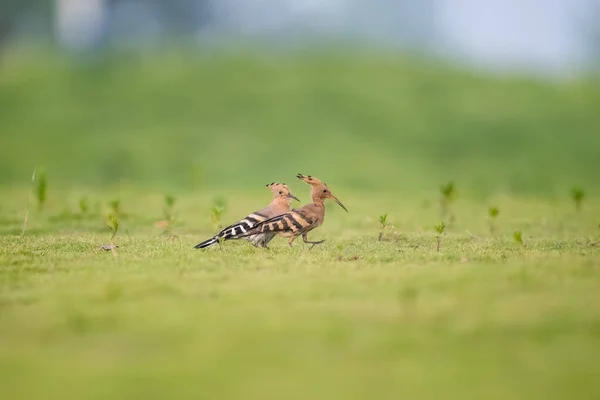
(300, 221)
(282, 199)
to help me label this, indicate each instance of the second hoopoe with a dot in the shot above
(282, 199)
(301, 220)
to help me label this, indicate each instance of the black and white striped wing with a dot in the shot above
(294, 223)
(235, 231)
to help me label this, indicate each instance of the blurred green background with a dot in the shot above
(144, 102)
(369, 121)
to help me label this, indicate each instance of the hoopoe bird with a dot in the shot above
(301, 220)
(282, 201)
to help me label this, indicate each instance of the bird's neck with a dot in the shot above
(318, 201)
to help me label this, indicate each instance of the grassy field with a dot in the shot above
(354, 318)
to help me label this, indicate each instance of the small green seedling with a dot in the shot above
(383, 224)
(217, 211)
(216, 214)
(169, 202)
(440, 229)
(41, 187)
(518, 237)
(84, 205)
(577, 194)
(115, 207)
(113, 225)
(448, 195)
(493, 213)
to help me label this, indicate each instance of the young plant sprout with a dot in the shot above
(518, 237)
(383, 224)
(41, 186)
(115, 207)
(440, 229)
(448, 195)
(217, 211)
(577, 194)
(493, 213)
(169, 202)
(113, 224)
(84, 205)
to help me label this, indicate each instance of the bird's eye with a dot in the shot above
(324, 190)
(280, 192)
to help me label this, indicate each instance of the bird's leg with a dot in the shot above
(291, 240)
(305, 238)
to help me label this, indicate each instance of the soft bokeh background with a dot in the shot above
(394, 96)
(123, 102)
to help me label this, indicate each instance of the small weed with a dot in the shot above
(169, 202)
(493, 213)
(217, 211)
(518, 237)
(448, 195)
(382, 225)
(440, 229)
(84, 205)
(113, 225)
(392, 236)
(577, 194)
(115, 207)
(41, 187)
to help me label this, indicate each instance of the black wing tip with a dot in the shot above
(206, 243)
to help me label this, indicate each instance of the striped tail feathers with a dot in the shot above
(234, 231)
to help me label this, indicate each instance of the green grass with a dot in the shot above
(353, 318)
(220, 120)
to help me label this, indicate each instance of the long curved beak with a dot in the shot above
(291, 196)
(332, 197)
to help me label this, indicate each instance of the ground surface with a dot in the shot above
(353, 318)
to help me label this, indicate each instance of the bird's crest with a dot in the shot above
(311, 180)
(276, 187)
(281, 190)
